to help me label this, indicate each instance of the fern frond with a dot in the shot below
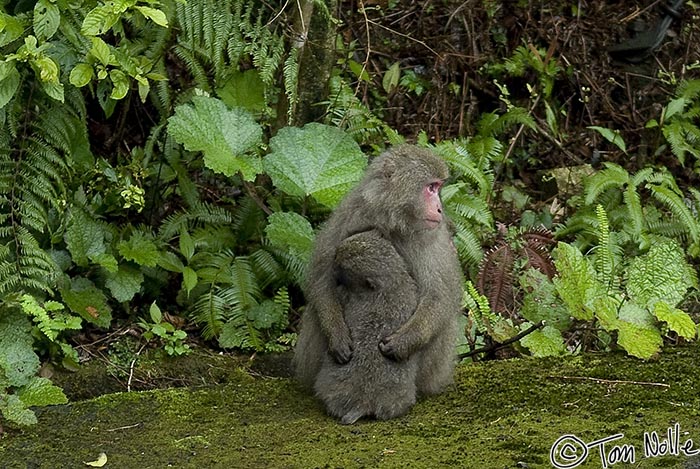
(210, 312)
(634, 209)
(604, 261)
(612, 176)
(201, 213)
(677, 206)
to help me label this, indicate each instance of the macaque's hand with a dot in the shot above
(340, 347)
(390, 347)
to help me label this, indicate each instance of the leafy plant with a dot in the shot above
(173, 339)
(678, 122)
(633, 299)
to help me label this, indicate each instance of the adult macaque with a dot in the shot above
(399, 198)
(379, 296)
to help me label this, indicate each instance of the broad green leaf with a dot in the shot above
(81, 75)
(11, 30)
(98, 21)
(186, 244)
(678, 321)
(101, 51)
(244, 89)
(639, 341)
(635, 314)
(125, 283)
(48, 69)
(14, 410)
(267, 314)
(575, 281)
(120, 82)
(391, 77)
(223, 135)
(612, 136)
(675, 106)
(154, 14)
(144, 89)
(54, 90)
(662, 274)
(189, 279)
(169, 261)
(605, 308)
(41, 392)
(291, 231)
(317, 160)
(18, 362)
(84, 238)
(547, 342)
(87, 301)
(107, 261)
(9, 84)
(155, 313)
(47, 17)
(139, 248)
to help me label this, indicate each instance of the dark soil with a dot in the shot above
(450, 43)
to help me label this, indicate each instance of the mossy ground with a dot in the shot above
(498, 415)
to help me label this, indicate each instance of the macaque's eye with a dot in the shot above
(434, 187)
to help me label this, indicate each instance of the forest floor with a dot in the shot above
(499, 414)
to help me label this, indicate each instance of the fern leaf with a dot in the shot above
(612, 176)
(679, 209)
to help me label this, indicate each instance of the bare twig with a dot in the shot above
(500, 345)
(611, 381)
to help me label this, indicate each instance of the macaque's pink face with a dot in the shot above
(433, 206)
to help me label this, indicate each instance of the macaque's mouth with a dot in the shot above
(433, 222)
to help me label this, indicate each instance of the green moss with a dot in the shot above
(497, 415)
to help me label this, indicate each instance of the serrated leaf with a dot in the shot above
(84, 238)
(662, 274)
(9, 85)
(139, 248)
(186, 244)
(97, 21)
(81, 75)
(53, 89)
(391, 77)
(18, 362)
(120, 83)
(41, 392)
(546, 342)
(317, 160)
(189, 279)
(678, 321)
(107, 261)
(223, 135)
(639, 341)
(675, 106)
(87, 301)
(14, 410)
(125, 283)
(101, 51)
(169, 261)
(154, 14)
(575, 281)
(267, 314)
(291, 231)
(47, 17)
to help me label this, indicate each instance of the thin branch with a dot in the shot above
(611, 381)
(500, 345)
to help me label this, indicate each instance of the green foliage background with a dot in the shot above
(148, 175)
